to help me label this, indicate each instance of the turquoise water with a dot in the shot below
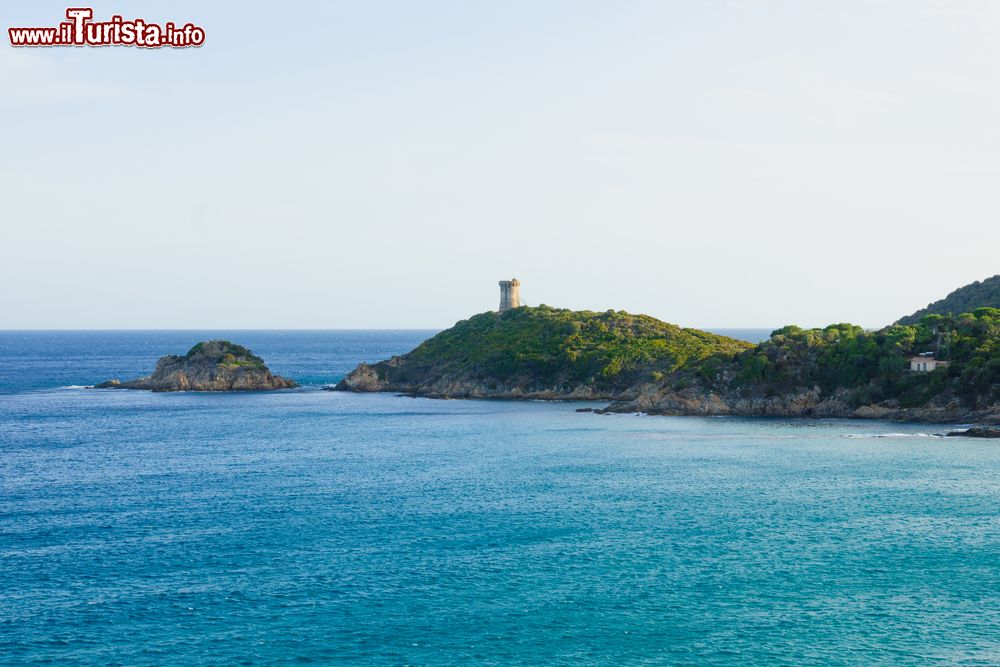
(319, 527)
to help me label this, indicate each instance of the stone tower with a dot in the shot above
(510, 294)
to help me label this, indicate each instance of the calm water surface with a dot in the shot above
(317, 527)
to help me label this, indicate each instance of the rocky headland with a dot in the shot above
(542, 353)
(639, 364)
(215, 365)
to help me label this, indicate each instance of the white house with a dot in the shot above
(924, 364)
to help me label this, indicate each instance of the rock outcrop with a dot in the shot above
(215, 365)
(976, 432)
(363, 378)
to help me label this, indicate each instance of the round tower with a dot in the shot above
(510, 294)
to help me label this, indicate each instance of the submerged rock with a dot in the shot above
(976, 432)
(215, 365)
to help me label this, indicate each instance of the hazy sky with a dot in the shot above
(383, 164)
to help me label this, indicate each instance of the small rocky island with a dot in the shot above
(214, 365)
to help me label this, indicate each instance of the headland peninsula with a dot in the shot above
(941, 366)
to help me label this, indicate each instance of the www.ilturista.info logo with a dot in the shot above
(80, 30)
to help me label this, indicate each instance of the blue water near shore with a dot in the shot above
(317, 527)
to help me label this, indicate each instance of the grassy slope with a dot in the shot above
(545, 346)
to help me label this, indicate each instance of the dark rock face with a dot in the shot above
(215, 365)
(976, 432)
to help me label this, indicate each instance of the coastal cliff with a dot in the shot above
(215, 365)
(639, 364)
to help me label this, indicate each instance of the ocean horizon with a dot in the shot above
(319, 527)
(38, 358)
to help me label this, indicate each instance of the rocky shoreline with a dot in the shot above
(810, 403)
(365, 378)
(655, 401)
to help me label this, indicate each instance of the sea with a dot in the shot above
(316, 527)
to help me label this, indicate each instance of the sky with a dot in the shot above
(375, 164)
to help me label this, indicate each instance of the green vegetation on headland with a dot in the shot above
(214, 365)
(980, 294)
(869, 367)
(544, 352)
(225, 354)
(642, 364)
(562, 347)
